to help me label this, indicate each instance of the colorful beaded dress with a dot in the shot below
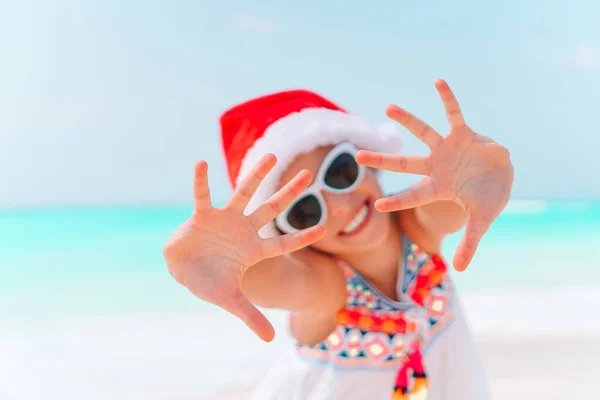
(383, 349)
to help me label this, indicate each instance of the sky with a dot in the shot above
(112, 102)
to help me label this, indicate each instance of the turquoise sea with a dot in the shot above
(108, 260)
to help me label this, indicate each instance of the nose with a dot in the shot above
(338, 204)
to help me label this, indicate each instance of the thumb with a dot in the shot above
(474, 231)
(242, 308)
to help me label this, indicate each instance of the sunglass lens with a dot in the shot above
(342, 173)
(305, 213)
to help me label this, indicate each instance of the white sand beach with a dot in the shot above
(212, 356)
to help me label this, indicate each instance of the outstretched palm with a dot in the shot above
(211, 251)
(463, 166)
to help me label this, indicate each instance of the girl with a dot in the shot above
(373, 311)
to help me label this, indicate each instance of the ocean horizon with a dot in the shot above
(72, 255)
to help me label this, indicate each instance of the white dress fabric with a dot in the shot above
(419, 347)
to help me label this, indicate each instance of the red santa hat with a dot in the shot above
(288, 124)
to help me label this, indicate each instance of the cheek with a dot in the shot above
(329, 245)
(330, 229)
(370, 186)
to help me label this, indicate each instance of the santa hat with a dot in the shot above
(288, 124)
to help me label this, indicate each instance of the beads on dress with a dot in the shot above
(374, 332)
(428, 277)
(375, 322)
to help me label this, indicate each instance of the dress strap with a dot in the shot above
(346, 269)
(401, 281)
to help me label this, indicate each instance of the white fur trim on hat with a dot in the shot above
(302, 132)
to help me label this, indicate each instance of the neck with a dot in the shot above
(380, 264)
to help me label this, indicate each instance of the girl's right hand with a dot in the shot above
(212, 250)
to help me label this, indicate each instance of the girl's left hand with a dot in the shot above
(463, 166)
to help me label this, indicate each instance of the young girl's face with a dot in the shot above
(352, 224)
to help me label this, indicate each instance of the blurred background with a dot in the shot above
(105, 106)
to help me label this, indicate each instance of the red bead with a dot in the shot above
(440, 265)
(400, 325)
(365, 322)
(417, 298)
(423, 294)
(388, 326)
(436, 277)
(422, 281)
(420, 295)
(343, 317)
(376, 324)
(354, 315)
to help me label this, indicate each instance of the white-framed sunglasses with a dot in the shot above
(339, 173)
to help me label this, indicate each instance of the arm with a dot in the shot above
(303, 281)
(309, 284)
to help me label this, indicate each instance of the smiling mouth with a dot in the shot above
(359, 221)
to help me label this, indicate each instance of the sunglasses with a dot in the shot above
(339, 173)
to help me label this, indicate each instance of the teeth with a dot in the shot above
(357, 220)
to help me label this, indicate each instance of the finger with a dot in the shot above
(419, 165)
(418, 195)
(451, 106)
(247, 187)
(474, 231)
(201, 189)
(241, 307)
(420, 129)
(289, 243)
(281, 200)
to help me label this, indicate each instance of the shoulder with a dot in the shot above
(411, 227)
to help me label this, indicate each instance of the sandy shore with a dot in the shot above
(548, 368)
(211, 356)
